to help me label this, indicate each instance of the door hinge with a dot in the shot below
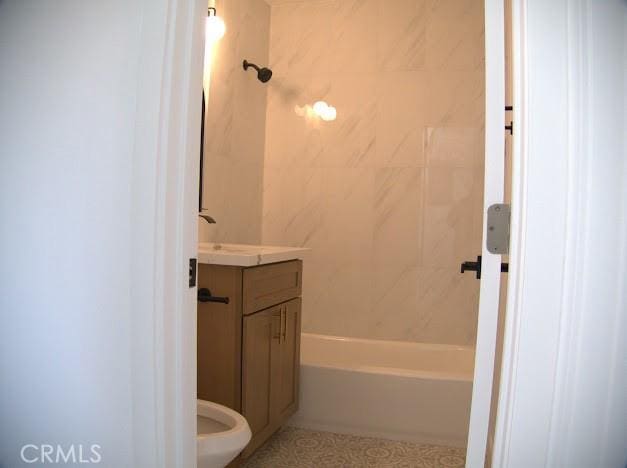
(497, 238)
(193, 264)
(510, 127)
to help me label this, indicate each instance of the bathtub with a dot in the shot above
(388, 389)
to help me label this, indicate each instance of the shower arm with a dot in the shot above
(249, 64)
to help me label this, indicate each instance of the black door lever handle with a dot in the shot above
(476, 266)
(204, 295)
(472, 266)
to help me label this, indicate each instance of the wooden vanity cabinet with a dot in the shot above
(286, 396)
(249, 349)
(270, 365)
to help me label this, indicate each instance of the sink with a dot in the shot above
(246, 255)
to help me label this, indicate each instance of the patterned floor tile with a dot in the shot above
(299, 448)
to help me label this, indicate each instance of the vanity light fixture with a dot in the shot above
(214, 26)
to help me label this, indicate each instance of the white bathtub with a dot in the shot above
(389, 389)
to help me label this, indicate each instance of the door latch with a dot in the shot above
(510, 127)
(193, 264)
(476, 266)
(472, 266)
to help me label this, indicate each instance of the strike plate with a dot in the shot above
(497, 239)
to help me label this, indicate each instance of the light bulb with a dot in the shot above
(324, 111)
(214, 28)
(320, 108)
(330, 114)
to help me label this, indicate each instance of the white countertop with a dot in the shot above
(245, 255)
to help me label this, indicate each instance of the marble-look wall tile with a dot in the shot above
(294, 139)
(300, 214)
(400, 119)
(219, 115)
(395, 301)
(449, 232)
(455, 35)
(448, 305)
(341, 293)
(235, 126)
(454, 146)
(455, 10)
(454, 98)
(354, 22)
(301, 37)
(232, 195)
(397, 217)
(350, 228)
(350, 141)
(389, 195)
(401, 35)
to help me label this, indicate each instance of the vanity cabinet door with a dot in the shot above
(270, 369)
(286, 396)
(261, 353)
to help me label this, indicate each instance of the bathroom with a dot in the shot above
(364, 147)
(335, 300)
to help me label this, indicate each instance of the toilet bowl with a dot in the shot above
(222, 434)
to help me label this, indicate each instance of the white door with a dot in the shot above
(100, 125)
(491, 264)
(177, 230)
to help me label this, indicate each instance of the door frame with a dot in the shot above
(172, 308)
(491, 263)
(546, 166)
(164, 237)
(559, 103)
(170, 315)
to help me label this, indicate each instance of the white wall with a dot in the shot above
(72, 351)
(563, 395)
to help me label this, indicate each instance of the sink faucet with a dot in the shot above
(207, 218)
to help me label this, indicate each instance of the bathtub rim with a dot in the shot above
(466, 376)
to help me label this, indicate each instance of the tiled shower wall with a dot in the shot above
(235, 126)
(389, 195)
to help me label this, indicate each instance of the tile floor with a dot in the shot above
(299, 448)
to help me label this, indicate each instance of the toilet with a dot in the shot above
(222, 434)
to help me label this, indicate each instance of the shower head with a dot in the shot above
(263, 74)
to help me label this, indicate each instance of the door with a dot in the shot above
(107, 149)
(491, 263)
(261, 349)
(286, 397)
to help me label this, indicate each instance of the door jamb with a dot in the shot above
(164, 236)
(491, 263)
